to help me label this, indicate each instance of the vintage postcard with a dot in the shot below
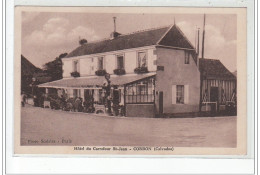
(130, 81)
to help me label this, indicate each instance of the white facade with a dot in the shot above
(88, 64)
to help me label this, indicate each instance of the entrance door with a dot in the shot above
(214, 94)
(88, 94)
(214, 98)
(160, 102)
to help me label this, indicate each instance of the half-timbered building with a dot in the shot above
(218, 86)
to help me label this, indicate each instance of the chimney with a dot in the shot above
(114, 34)
(114, 24)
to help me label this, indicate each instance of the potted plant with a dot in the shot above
(141, 70)
(101, 72)
(119, 71)
(75, 74)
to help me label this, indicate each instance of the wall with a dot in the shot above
(88, 63)
(227, 85)
(151, 60)
(66, 67)
(88, 66)
(110, 63)
(177, 73)
(140, 110)
(85, 67)
(130, 61)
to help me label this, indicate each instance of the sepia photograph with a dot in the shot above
(128, 80)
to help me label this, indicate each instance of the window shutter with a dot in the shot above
(173, 94)
(186, 94)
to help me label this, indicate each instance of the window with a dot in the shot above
(120, 62)
(117, 94)
(142, 59)
(75, 66)
(140, 92)
(180, 94)
(100, 63)
(76, 93)
(142, 88)
(187, 58)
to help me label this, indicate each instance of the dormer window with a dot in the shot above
(100, 63)
(120, 61)
(187, 58)
(142, 59)
(75, 66)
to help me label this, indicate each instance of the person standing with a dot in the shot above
(116, 96)
(23, 99)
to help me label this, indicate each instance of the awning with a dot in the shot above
(95, 81)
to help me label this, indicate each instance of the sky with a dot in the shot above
(46, 35)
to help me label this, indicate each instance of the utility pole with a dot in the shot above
(198, 44)
(201, 72)
(203, 37)
(195, 38)
(202, 57)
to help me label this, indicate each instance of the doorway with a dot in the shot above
(88, 94)
(214, 94)
(214, 98)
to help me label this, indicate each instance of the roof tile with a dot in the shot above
(214, 69)
(174, 38)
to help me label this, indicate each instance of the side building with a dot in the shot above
(155, 71)
(218, 86)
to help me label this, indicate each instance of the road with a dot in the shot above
(50, 127)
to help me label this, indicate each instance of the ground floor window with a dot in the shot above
(76, 93)
(180, 94)
(88, 94)
(117, 94)
(140, 92)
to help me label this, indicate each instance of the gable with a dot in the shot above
(175, 38)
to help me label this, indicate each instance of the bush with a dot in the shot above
(75, 74)
(141, 70)
(119, 71)
(101, 72)
(83, 41)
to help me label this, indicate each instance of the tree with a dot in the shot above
(27, 72)
(82, 41)
(54, 68)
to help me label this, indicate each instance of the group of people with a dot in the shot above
(76, 104)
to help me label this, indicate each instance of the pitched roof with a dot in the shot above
(214, 69)
(27, 68)
(176, 38)
(84, 82)
(169, 36)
